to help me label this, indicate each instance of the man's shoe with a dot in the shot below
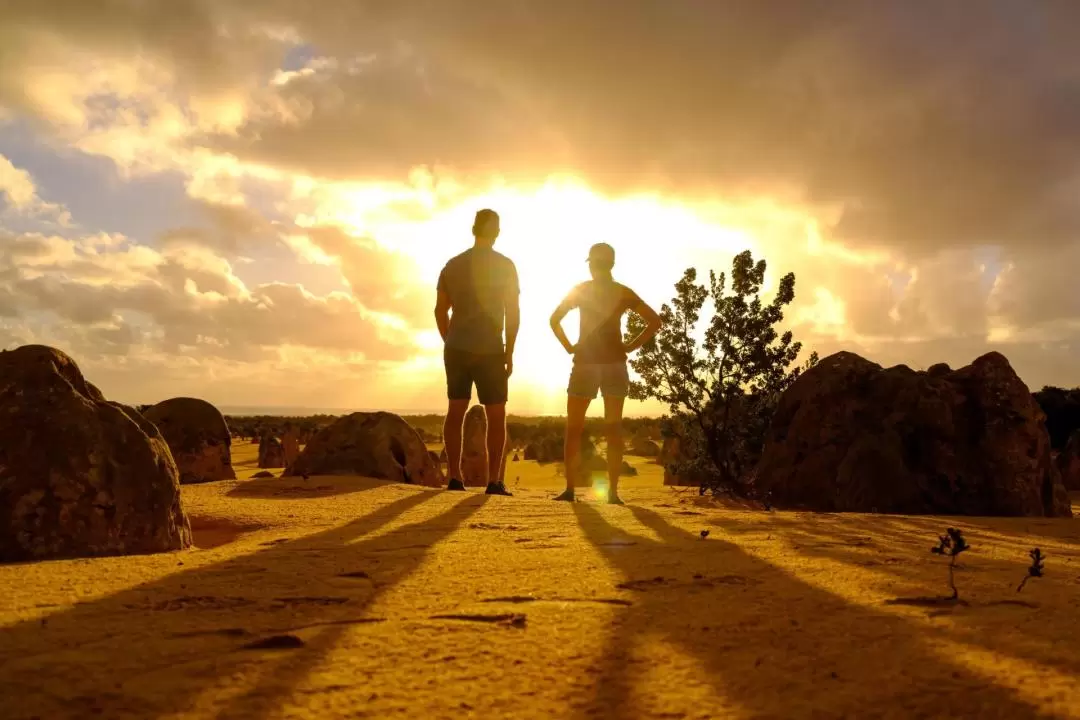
(567, 496)
(498, 489)
(455, 484)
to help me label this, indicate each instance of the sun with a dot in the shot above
(547, 232)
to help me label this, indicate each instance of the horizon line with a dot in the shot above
(300, 411)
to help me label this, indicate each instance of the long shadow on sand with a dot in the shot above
(294, 487)
(769, 644)
(154, 649)
(1036, 625)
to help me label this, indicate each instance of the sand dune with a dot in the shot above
(346, 597)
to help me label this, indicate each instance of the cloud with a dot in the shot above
(931, 147)
(380, 119)
(231, 228)
(188, 299)
(19, 192)
(380, 279)
(906, 135)
(17, 186)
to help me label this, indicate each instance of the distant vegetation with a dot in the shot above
(1062, 408)
(521, 430)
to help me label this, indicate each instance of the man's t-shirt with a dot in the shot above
(601, 305)
(480, 284)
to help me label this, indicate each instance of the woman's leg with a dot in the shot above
(613, 410)
(576, 407)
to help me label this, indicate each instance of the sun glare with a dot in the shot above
(547, 232)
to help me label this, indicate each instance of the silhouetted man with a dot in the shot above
(480, 286)
(599, 361)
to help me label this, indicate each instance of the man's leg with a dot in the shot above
(452, 432)
(459, 383)
(492, 391)
(496, 447)
(613, 410)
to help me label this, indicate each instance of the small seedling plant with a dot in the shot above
(952, 543)
(1035, 569)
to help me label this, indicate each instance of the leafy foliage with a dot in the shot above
(721, 392)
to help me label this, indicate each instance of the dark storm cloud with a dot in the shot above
(929, 123)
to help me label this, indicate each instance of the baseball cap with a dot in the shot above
(602, 254)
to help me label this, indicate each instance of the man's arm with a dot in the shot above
(568, 304)
(653, 323)
(442, 308)
(513, 318)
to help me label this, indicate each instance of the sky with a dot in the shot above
(250, 202)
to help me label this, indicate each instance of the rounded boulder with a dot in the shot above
(849, 435)
(371, 444)
(79, 476)
(198, 437)
(271, 452)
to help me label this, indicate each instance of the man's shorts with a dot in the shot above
(586, 379)
(487, 371)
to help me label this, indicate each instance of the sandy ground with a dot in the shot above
(374, 600)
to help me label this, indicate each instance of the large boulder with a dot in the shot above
(197, 436)
(851, 436)
(1068, 462)
(79, 476)
(372, 444)
(271, 452)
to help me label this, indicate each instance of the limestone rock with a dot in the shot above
(670, 454)
(79, 476)
(438, 466)
(1068, 463)
(474, 454)
(262, 474)
(849, 435)
(938, 370)
(198, 438)
(290, 446)
(592, 467)
(372, 444)
(643, 447)
(545, 449)
(271, 452)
